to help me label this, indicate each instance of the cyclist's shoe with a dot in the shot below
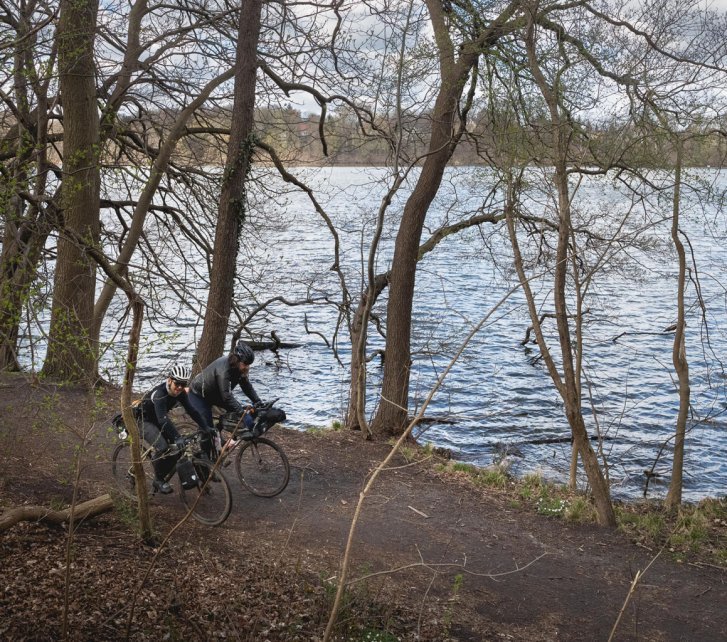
(229, 445)
(163, 487)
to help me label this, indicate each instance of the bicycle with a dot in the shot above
(261, 464)
(205, 491)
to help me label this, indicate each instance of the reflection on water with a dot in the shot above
(499, 392)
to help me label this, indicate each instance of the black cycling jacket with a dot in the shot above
(216, 382)
(156, 404)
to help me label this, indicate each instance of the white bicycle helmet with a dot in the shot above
(180, 374)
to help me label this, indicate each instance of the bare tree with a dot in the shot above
(679, 351)
(456, 64)
(568, 384)
(136, 101)
(71, 352)
(29, 66)
(232, 208)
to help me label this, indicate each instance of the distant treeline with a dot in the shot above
(490, 138)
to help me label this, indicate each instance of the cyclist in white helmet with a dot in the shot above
(159, 430)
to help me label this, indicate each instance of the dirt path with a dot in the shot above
(473, 566)
(572, 583)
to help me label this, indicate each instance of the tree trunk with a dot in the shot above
(569, 386)
(357, 392)
(72, 355)
(679, 353)
(142, 492)
(136, 304)
(18, 269)
(391, 417)
(25, 232)
(232, 199)
(90, 508)
(392, 414)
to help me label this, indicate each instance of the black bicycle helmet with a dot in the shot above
(244, 352)
(180, 374)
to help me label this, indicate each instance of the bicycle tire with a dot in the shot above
(121, 468)
(211, 502)
(262, 467)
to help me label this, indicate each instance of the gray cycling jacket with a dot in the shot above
(216, 382)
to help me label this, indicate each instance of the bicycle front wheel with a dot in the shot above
(262, 467)
(123, 470)
(210, 501)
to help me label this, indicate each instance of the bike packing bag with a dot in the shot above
(187, 473)
(274, 416)
(267, 419)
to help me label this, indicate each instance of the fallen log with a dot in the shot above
(271, 345)
(89, 508)
(563, 440)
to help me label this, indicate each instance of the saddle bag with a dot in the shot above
(118, 424)
(187, 474)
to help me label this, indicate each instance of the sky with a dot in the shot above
(305, 103)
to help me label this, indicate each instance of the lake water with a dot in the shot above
(498, 394)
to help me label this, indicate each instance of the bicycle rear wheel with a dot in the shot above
(123, 470)
(262, 467)
(210, 501)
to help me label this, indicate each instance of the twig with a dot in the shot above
(701, 564)
(460, 567)
(424, 597)
(634, 582)
(71, 526)
(411, 463)
(418, 512)
(632, 589)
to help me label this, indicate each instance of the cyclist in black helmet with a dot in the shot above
(159, 430)
(213, 386)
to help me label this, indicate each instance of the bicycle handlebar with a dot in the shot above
(266, 405)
